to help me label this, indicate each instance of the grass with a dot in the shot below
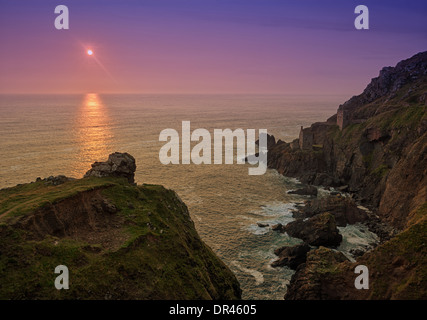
(410, 248)
(162, 258)
(352, 131)
(25, 198)
(404, 117)
(405, 111)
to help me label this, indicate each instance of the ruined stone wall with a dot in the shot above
(341, 121)
(306, 138)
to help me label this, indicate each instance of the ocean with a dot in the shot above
(44, 135)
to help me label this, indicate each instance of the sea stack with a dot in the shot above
(118, 165)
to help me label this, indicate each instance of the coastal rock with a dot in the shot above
(374, 147)
(383, 230)
(389, 81)
(262, 225)
(307, 191)
(375, 150)
(294, 144)
(291, 257)
(277, 227)
(311, 279)
(344, 209)
(325, 179)
(396, 269)
(118, 165)
(271, 140)
(357, 252)
(320, 230)
(294, 162)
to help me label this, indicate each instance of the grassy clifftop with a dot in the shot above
(118, 240)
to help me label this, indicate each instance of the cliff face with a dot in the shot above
(387, 84)
(118, 240)
(380, 153)
(375, 148)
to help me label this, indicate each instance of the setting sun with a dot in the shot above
(90, 52)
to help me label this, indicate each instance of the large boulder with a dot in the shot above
(320, 230)
(291, 257)
(344, 209)
(118, 165)
(319, 278)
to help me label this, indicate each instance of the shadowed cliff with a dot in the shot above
(375, 149)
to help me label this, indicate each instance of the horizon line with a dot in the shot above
(176, 93)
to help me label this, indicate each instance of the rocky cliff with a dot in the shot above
(118, 240)
(396, 269)
(381, 159)
(375, 148)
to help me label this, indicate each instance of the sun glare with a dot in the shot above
(90, 52)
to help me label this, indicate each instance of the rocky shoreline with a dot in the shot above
(372, 156)
(316, 223)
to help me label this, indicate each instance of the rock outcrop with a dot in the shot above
(271, 141)
(396, 269)
(381, 160)
(312, 280)
(118, 165)
(374, 149)
(387, 84)
(320, 230)
(307, 191)
(291, 257)
(344, 209)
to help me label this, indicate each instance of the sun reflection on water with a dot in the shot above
(93, 133)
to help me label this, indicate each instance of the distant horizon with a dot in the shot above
(173, 93)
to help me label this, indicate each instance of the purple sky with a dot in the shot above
(204, 46)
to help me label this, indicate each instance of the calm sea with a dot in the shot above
(43, 135)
